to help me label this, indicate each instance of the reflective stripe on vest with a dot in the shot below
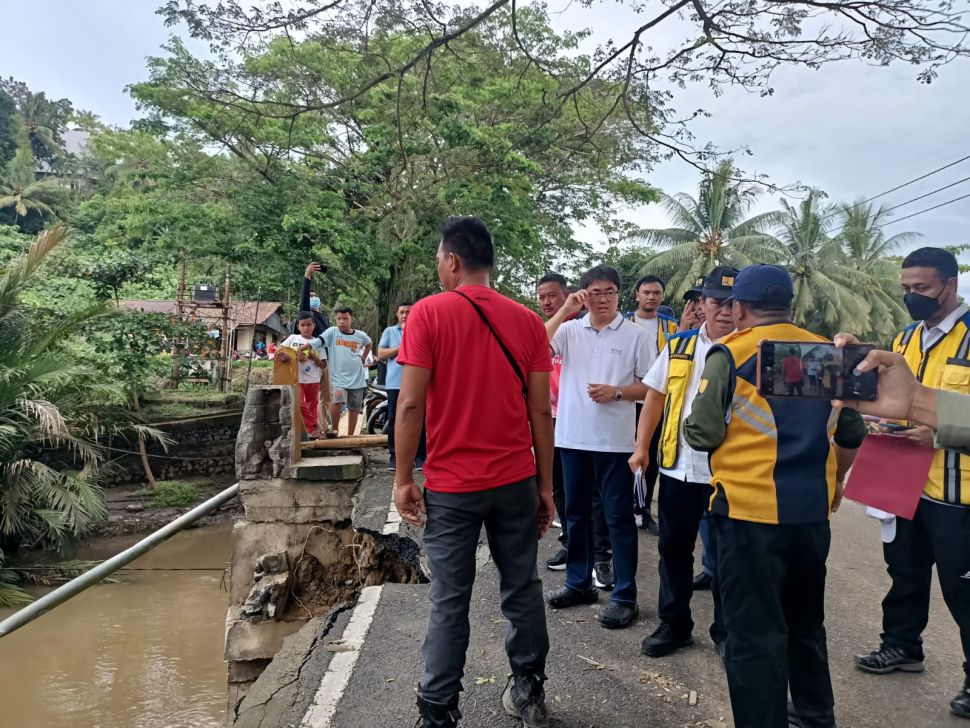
(776, 463)
(681, 367)
(945, 365)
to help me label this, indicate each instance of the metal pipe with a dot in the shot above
(91, 577)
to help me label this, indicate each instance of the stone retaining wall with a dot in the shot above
(202, 446)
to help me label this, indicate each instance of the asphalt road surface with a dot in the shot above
(599, 679)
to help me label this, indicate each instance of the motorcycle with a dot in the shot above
(375, 409)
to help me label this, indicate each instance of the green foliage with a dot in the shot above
(47, 398)
(43, 120)
(9, 128)
(707, 231)
(365, 186)
(24, 201)
(174, 494)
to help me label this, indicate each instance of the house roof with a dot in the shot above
(242, 313)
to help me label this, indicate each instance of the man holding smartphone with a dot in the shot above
(777, 466)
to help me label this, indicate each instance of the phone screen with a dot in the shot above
(814, 370)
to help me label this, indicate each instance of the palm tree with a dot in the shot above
(22, 193)
(41, 128)
(708, 231)
(827, 293)
(868, 249)
(46, 399)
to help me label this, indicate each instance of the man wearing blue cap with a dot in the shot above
(777, 467)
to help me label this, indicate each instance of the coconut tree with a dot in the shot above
(709, 230)
(827, 293)
(22, 194)
(47, 399)
(868, 250)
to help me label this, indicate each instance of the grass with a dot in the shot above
(172, 409)
(174, 494)
(257, 363)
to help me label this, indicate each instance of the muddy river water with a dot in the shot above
(146, 653)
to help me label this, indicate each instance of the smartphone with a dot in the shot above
(892, 427)
(814, 370)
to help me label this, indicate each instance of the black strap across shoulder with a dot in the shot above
(505, 349)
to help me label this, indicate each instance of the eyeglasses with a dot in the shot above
(602, 295)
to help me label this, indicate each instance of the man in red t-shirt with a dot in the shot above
(794, 372)
(476, 368)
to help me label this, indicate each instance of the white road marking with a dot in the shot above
(335, 680)
(393, 522)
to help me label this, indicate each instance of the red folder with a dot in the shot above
(889, 473)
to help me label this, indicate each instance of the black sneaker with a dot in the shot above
(603, 575)
(649, 525)
(524, 698)
(437, 715)
(664, 640)
(566, 597)
(960, 705)
(618, 616)
(887, 659)
(703, 581)
(557, 562)
(419, 465)
(391, 465)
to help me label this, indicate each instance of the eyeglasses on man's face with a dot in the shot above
(601, 295)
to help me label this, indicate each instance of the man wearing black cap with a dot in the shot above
(777, 477)
(685, 490)
(693, 315)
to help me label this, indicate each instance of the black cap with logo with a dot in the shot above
(720, 283)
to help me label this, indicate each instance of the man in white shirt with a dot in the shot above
(685, 490)
(649, 293)
(604, 357)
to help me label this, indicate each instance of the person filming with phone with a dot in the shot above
(902, 397)
(777, 467)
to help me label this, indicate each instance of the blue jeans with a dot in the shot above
(610, 474)
(708, 558)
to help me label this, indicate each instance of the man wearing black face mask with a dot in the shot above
(937, 350)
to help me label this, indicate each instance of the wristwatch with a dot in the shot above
(618, 395)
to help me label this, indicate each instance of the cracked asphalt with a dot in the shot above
(599, 679)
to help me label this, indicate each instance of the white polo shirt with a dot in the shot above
(617, 355)
(691, 466)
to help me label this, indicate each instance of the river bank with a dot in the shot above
(132, 508)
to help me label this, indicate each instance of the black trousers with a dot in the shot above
(938, 534)
(653, 466)
(601, 535)
(680, 507)
(422, 452)
(772, 588)
(454, 523)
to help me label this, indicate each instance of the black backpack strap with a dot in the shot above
(505, 349)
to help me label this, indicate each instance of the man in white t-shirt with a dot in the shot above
(685, 476)
(604, 357)
(649, 293)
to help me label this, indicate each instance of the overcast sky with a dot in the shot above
(850, 129)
